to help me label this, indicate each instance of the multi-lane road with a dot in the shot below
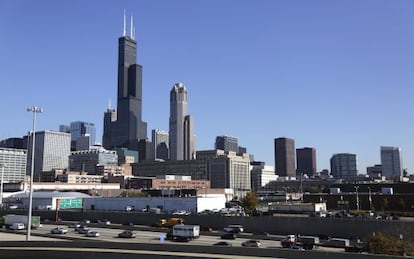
(149, 243)
(147, 235)
(110, 234)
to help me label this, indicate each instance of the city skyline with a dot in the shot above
(334, 76)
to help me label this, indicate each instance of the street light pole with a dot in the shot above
(34, 110)
(357, 198)
(370, 198)
(2, 165)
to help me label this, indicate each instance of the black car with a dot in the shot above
(127, 234)
(228, 236)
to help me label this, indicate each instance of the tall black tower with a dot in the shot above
(126, 128)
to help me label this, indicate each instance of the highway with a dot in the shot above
(110, 234)
(154, 236)
(147, 244)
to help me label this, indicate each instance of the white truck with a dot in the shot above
(11, 219)
(184, 232)
(305, 242)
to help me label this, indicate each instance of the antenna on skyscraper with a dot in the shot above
(109, 104)
(124, 31)
(132, 26)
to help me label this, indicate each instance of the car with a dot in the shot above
(223, 243)
(91, 233)
(130, 208)
(127, 234)
(228, 236)
(181, 212)
(298, 247)
(234, 229)
(74, 225)
(104, 221)
(82, 229)
(59, 230)
(251, 243)
(86, 221)
(13, 207)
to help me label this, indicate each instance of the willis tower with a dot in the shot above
(124, 127)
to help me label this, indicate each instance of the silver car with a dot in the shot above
(91, 233)
(59, 230)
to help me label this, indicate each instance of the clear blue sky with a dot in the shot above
(334, 75)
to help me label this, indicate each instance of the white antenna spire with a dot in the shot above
(132, 26)
(109, 104)
(124, 32)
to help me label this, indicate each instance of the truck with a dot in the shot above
(10, 219)
(289, 241)
(184, 232)
(305, 242)
(169, 222)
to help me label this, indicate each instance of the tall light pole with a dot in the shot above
(357, 198)
(2, 165)
(34, 110)
(370, 198)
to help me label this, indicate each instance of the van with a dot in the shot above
(17, 226)
(234, 229)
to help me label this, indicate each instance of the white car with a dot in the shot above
(59, 230)
(104, 221)
(181, 212)
(92, 234)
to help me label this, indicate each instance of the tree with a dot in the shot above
(250, 202)
(380, 243)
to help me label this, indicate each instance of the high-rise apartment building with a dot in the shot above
(261, 175)
(227, 143)
(52, 150)
(227, 170)
(124, 127)
(391, 162)
(285, 157)
(13, 163)
(182, 140)
(306, 161)
(344, 166)
(160, 141)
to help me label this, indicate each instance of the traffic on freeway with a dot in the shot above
(119, 233)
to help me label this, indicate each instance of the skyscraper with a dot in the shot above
(160, 140)
(81, 129)
(285, 157)
(126, 128)
(14, 162)
(227, 143)
(182, 141)
(344, 166)
(391, 162)
(306, 161)
(52, 151)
